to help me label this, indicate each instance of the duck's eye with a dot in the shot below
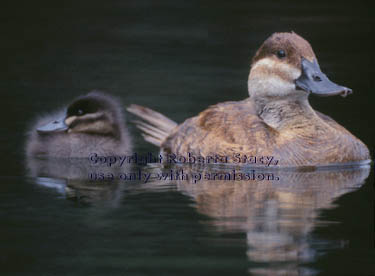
(80, 112)
(281, 54)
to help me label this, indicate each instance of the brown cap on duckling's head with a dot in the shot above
(95, 113)
(288, 62)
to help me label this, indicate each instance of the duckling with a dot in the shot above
(93, 123)
(276, 120)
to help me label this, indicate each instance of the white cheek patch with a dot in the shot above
(272, 67)
(271, 86)
(98, 127)
(272, 78)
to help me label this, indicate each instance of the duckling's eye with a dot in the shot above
(80, 112)
(281, 54)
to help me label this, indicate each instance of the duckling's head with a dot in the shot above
(285, 67)
(93, 114)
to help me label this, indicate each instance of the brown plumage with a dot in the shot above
(277, 120)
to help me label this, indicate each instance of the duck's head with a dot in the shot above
(285, 66)
(93, 114)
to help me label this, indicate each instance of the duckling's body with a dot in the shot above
(277, 120)
(90, 124)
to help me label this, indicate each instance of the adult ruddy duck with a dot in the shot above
(93, 123)
(276, 120)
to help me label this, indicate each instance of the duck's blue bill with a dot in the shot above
(57, 125)
(315, 81)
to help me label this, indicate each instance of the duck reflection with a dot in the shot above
(277, 215)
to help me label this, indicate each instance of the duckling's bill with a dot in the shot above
(57, 125)
(315, 81)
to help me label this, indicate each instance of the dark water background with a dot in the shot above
(177, 57)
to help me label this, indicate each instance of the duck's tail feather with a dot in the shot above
(155, 127)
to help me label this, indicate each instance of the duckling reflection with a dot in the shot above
(91, 123)
(72, 179)
(277, 215)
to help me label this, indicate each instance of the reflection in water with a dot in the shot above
(74, 179)
(277, 215)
